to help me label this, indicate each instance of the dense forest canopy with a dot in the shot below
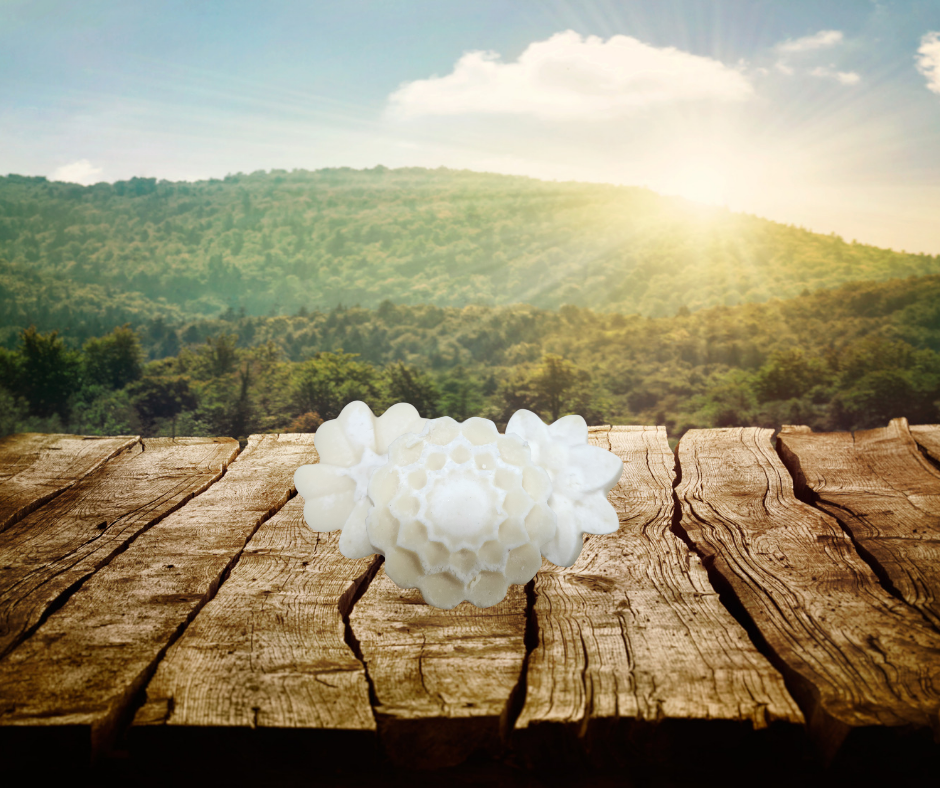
(84, 259)
(847, 358)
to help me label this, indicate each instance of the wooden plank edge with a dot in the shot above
(89, 742)
(927, 438)
(67, 593)
(151, 734)
(920, 452)
(850, 521)
(41, 500)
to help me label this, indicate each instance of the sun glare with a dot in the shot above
(701, 181)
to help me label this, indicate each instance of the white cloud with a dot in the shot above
(928, 60)
(783, 68)
(570, 77)
(81, 171)
(843, 77)
(820, 40)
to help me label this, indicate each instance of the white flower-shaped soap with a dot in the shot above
(351, 447)
(581, 476)
(460, 512)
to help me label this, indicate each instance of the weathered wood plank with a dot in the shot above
(883, 490)
(269, 650)
(928, 437)
(634, 631)
(443, 679)
(76, 676)
(49, 552)
(35, 468)
(855, 657)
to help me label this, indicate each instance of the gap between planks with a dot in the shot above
(885, 494)
(860, 662)
(473, 667)
(524, 680)
(635, 651)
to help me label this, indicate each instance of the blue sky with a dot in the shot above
(824, 114)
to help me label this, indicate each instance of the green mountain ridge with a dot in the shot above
(83, 259)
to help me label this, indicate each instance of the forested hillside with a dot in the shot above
(848, 358)
(83, 259)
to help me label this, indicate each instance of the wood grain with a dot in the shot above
(886, 493)
(51, 551)
(269, 650)
(928, 438)
(443, 679)
(35, 468)
(634, 631)
(78, 674)
(854, 656)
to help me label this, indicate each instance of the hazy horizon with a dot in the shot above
(704, 206)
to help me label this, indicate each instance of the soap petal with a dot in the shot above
(354, 540)
(479, 430)
(593, 469)
(595, 515)
(328, 512)
(527, 426)
(313, 481)
(382, 529)
(404, 567)
(571, 430)
(443, 590)
(523, 563)
(358, 424)
(564, 548)
(489, 590)
(541, 524)
(333, 446)
(407, 450)
(395, 422)
(385, 483)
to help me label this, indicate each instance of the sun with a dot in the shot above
(699, 180)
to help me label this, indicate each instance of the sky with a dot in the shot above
(823, 114)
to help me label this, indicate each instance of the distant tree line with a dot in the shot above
(849, 358)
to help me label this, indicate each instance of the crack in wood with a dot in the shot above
(282, 612)
(349, 635)
(530, 640)
(138, 696)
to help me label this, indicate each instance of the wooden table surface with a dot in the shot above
(776, 601)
